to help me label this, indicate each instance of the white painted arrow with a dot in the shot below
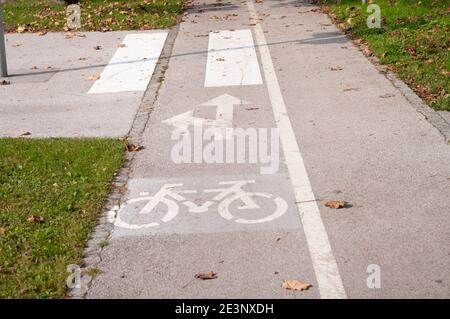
(224, 116)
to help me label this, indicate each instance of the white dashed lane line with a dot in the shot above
(132, 66)
(232, 59)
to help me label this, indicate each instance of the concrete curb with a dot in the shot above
(100, 235)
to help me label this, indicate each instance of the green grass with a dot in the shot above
(66, 182)
(413, 41)
(96, 15)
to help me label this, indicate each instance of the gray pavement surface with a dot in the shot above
(360, 139)
(48, 95)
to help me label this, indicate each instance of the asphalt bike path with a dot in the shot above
(267, 111)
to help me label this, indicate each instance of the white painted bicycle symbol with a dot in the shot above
(171, 198)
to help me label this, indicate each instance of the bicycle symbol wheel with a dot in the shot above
(172, 212)
(281, 208)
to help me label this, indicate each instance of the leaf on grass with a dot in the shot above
(336, 204)
(2, 231)
(206, 275)
(367, 51)
(295, 285)
(134, 147)
(35, 219)
(93, 77)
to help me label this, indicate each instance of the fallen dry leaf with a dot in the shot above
(2, 231)
(295, 285)
(25, 134)
(336, 68)
(41, 33)
(134, 147)
(21, 29)
(97, 47)
(16, 45)
(35, 219)
(387, 95)
(206, 275)
(4, 82)
(336, 204)
(366, 51)
(93, 77)
(122, 45)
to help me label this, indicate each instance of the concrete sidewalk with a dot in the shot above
(50, 79)
(357, 136)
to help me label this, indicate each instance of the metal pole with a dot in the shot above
(3, 66)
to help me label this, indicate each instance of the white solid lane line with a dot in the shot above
(132, 66)
(324, 263)
(232, 59)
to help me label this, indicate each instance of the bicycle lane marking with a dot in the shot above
(324, 263)
(193, 205)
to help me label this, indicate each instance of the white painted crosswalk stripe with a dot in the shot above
(132, 66)
(232, 59)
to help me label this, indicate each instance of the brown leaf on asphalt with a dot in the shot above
(97, 47)
(134, 147)
(295, 285)
(25, 134)
(69, 35)
(387, 95)
(122, 45)
(206, 275)
(252, 108)
(93, 77)
(4, 82)
(21, 29)
(336, 204)
(350, 89)
(336, 68)
(16, 45)
(35, 219)
(41, 33)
